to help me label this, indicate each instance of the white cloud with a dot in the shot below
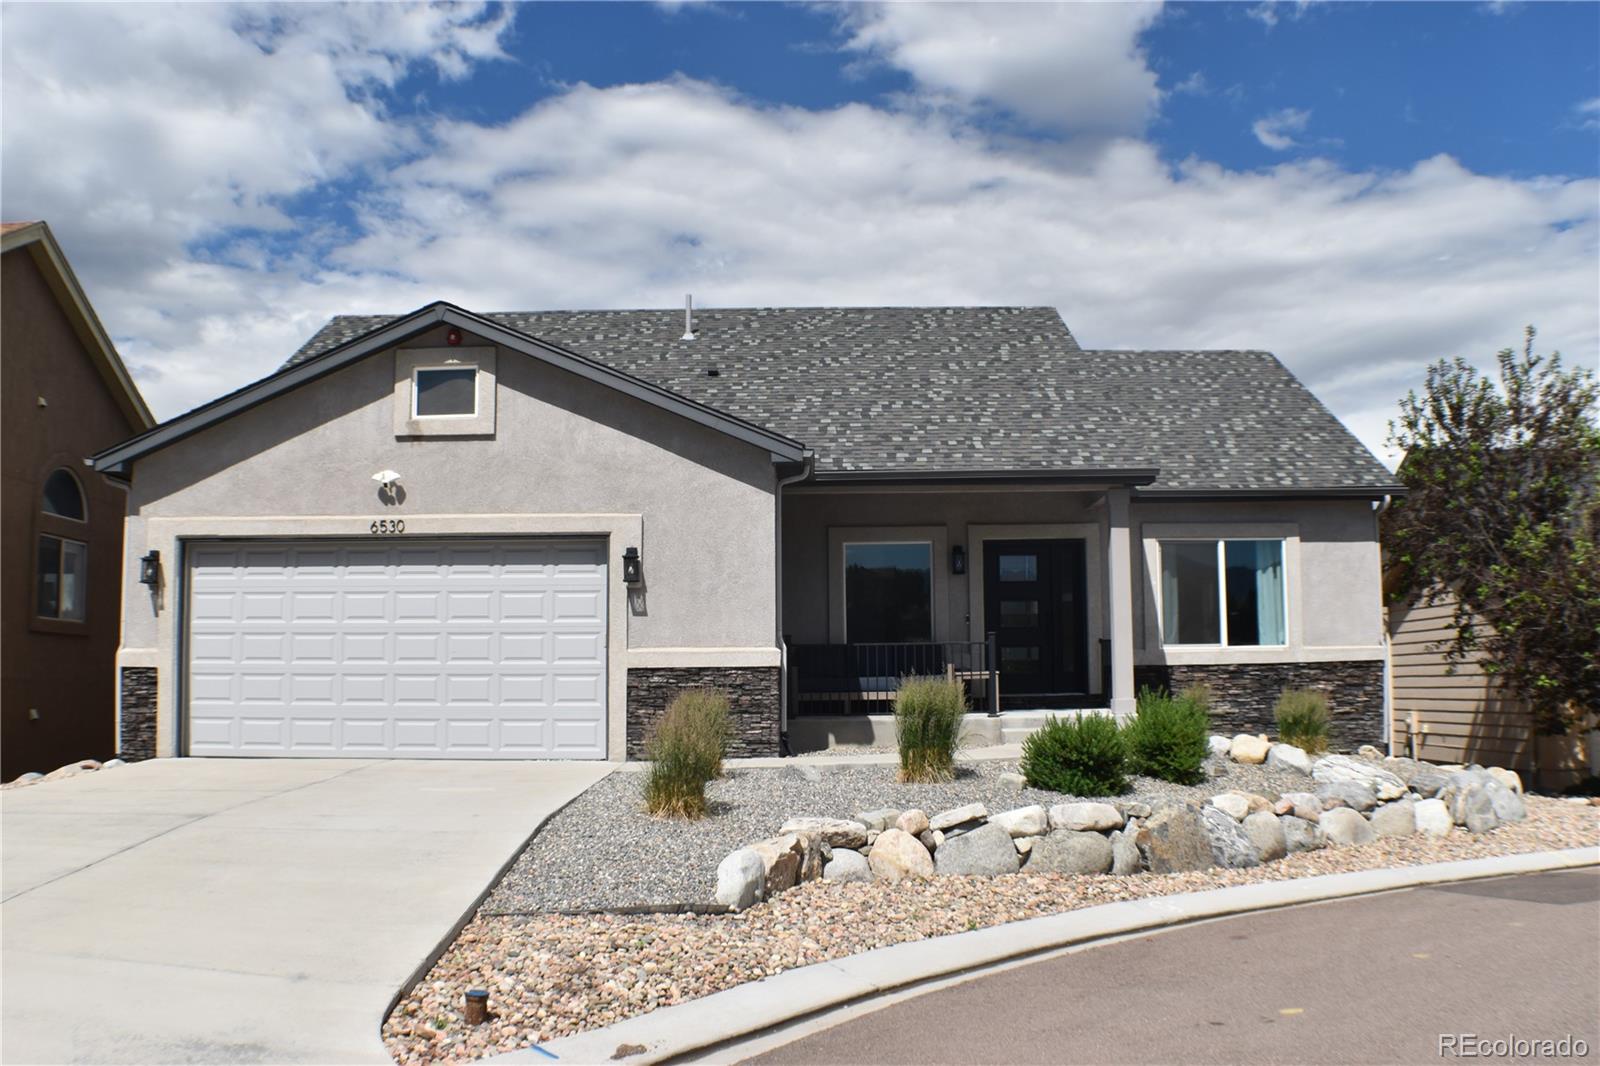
(1194, 85)
(1277, 130)
(1072, 67)
(632, 195)
(1587, 113)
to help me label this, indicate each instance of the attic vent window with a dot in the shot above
(445, 392)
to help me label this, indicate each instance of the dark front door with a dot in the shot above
(1034, 601)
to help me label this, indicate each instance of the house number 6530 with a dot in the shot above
(389, 525)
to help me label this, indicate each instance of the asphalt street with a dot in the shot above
(1379, 979)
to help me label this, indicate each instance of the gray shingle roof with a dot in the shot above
(967, 388)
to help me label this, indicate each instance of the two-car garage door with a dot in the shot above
(397, 649)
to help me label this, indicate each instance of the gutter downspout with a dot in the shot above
(806, 471)
(1383, 630)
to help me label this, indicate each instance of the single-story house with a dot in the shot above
(457, 535)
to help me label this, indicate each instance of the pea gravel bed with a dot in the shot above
(603, 852)
(553, 975)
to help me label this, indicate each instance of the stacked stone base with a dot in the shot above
(1244, 694)
(752, 696)
(136, 738)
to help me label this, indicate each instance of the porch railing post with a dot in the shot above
(991, 654)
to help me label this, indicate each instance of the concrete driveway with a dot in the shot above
(243, 910)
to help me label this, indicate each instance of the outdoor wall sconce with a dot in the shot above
(150, 569)
(632, 567)
(958, 560)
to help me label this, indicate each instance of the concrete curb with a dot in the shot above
(761, 1005)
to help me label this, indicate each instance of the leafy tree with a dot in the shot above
(1503, 511)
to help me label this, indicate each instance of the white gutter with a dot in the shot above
(810, 461)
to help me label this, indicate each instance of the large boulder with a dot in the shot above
(1351, 794)
(1428, 782)
(914, 821)
(782, 857)
(1218, 745)
(1067, 851)
(1481, 802)
(972, 812)
(1403, 768)
(1300, 804)
(1342, 769)
(847, 865)
(897, 856)
(1022, 822)
(1249, 749)
(1083, 817)
(1131, 809)
(1288, 757)
(1509, 778)
(835, 832)
(1012, 780)
(1230, 847)
(741, 879)
(1234, 804)
(1398, 819)
(1301, 834)
(1125, 857)
(1174, 839)
(1265, 831)
(878, 820)
(1508, 804)
(1342, 826)
(984, 852)
(1432, 817)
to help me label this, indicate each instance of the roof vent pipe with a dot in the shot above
(688, 317)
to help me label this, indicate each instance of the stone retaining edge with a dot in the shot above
(749, 1008)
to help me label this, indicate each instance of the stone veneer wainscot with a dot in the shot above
(752, 696)
(1243, 695)
(137, 720)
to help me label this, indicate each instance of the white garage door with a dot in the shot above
(411, 649)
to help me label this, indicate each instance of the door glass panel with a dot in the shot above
(1021, 659)
(888, 592)
(1019, 614)
(1019, 567)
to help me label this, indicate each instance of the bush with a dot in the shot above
(928, 714)
(685, 753)
(1303, 719)
(1083, 756)
(1167, 736)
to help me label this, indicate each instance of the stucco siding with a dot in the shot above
(1333, 569)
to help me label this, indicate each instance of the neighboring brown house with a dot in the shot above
(1461, 715)
(65, 395)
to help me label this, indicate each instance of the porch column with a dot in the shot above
(1119, 567)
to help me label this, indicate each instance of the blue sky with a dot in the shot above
(1360, 188)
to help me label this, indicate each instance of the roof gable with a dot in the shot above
(40, 243)
(396, 330)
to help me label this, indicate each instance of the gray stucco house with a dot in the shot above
(454, 535)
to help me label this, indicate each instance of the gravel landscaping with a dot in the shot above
(553, 975)
(602, 852)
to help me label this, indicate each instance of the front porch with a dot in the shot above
(1022, 591)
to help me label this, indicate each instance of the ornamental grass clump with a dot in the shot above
(686, 753)
(1081, 756)
(1303, 719)
(928, 715)
(1167, 736)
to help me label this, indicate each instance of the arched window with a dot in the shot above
(62, 592)
(62, 496)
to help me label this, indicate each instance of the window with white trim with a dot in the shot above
(1223, 592)
(888, 592)
(444, 392)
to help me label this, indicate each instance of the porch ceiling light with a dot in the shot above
(958, 560)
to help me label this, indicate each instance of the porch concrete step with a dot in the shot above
(1015, 726)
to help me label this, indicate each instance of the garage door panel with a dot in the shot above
(445, 649)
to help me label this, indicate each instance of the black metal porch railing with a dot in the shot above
(828, 678)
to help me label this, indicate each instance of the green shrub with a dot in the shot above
(1167, 736)
(1303, 719)
(1082, 756)
(1199, 694)
(928, 715)
(685, 753)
